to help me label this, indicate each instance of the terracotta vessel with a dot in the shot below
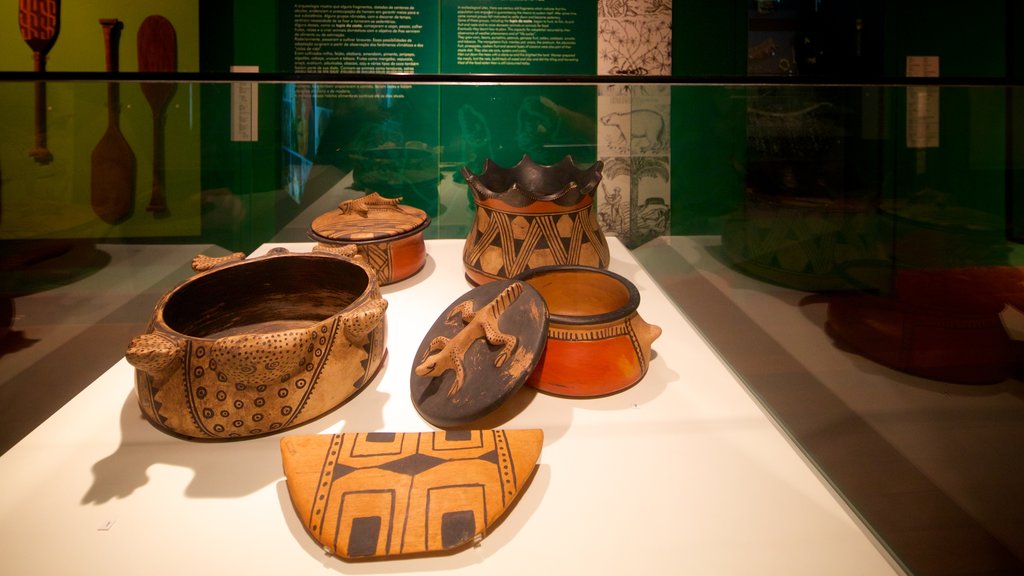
(382, 495)
(250, 347)
(597, 342)
(530, 216)
(386, 234)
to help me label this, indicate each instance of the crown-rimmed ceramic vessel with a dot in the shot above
(533, 215)
(251, 347)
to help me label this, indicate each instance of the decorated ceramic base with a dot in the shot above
(478, 353)
(384, 495)
(597, 342)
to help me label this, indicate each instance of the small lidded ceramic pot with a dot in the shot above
(250, 347)
(387, 235)
(597, 342)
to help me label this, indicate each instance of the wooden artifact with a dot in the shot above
(387, 234)
(39, 23)
(113, 162)
(157, 45)
(478, 353)
(530, 216)
(384, 495)
(250, 347)
(597, 343)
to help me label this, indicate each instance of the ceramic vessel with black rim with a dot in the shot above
(251, 347)
(532, 215)
(597, 342)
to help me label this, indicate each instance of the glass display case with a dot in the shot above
(845, 248)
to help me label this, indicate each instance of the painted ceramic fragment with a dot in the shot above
(382, 495)
(478, 353)
(250, 347)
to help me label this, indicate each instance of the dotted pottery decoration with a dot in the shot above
(253, 347)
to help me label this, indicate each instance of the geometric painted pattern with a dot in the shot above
(258, 404)
(380, 494)
(624, 329)
(503, 244)
(39, 20)
(378, 257)
(209, 389)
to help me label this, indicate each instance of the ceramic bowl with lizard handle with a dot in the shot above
(251, 347)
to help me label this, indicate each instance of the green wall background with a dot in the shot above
(230, 192)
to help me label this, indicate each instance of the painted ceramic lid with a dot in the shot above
(479, 352)
(368, 218)
(384, 494)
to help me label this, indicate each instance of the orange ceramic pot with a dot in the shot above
(250, 347)
(388, 236)
(597, 342)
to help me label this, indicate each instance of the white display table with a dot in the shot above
(681, 474)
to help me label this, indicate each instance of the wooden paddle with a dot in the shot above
(158, 52)
(39, 21)
(113, 162)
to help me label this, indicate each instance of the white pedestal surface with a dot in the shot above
(681, 474)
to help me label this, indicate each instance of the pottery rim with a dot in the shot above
(630, 297)
(180, 292)
(495, 181)
(314, 235)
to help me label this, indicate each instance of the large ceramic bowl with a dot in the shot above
(597, 342)
(250, 347)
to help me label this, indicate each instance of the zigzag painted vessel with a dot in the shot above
(532, 215)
